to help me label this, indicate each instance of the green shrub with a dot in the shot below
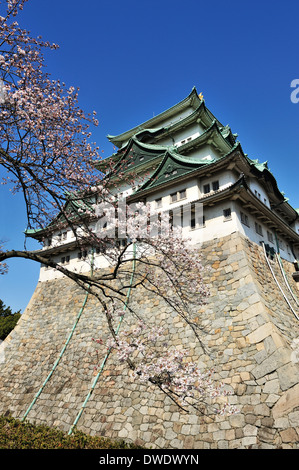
(16, 434)
(8, 320)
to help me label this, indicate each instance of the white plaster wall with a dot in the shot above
(127, 188)
(176, 117)
(176, 138)
(75, 265)
(256, 186)
(56, 240)
(167, 141)
(193, 130)
(216, 226)
(225, 178)
(192, 193)
(249, 231)
(286, 252)
(206, 152)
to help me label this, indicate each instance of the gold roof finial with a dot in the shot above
(200, 96)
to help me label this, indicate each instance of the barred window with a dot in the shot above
(215, 185)
(182, 194)
(174, 197)
(270, 236)
(258, 229)
(82, 254)
(244, 219)
(227, 213)
(178, 195)
(206, 188)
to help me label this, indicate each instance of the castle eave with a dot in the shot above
(54, 250)
(266, 215)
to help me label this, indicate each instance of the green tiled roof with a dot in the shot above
(73, 206)
(192, 98)
(172, 166)
(172, 162)
(137, 154)
(211, 135)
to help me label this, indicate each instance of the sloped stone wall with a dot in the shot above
(249, 331)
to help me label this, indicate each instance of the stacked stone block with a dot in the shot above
(249, 332)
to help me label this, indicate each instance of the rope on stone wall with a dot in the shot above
(94, 383)
(285, 279)
(63, 349)
(283, 271)
(279, 286)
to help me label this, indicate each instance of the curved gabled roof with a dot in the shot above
(262, 171)
(211, 135)
(116, 159)
(200, 114)
(137, 154)
(75, 207)
(172, 166)
(220, 137)
(192, 100)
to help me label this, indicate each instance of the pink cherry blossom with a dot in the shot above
(47, 155)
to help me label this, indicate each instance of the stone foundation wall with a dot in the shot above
(249, 331)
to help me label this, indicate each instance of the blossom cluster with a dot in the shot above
(44, 135)
(154, 360)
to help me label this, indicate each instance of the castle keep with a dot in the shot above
(248, 236)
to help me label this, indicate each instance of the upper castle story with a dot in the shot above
(186, 162)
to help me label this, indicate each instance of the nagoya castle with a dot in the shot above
(247, 234)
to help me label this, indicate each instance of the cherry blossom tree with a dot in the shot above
(44, 144)
(47, 155)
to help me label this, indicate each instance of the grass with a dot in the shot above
(16, 434)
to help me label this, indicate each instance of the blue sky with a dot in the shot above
(133, 59)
